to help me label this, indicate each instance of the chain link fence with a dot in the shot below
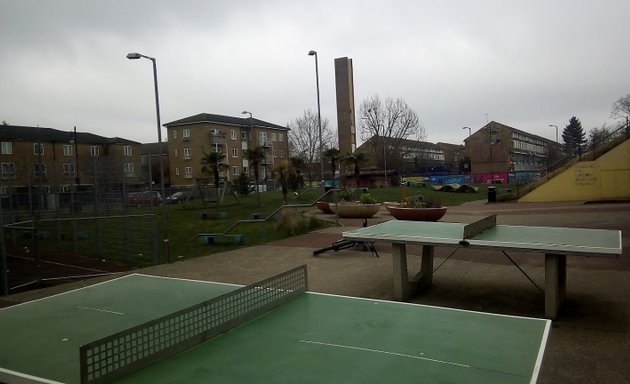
(54, 233)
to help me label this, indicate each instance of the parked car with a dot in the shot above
(178, 197)
(144, 199)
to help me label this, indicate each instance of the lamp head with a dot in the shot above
(312, 53)
(245, 112)
(133, 56)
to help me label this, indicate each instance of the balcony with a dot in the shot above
(218, 139)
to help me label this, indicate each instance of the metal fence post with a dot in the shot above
(155, 242)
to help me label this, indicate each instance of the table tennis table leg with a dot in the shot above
(403, 288)
(555, 283)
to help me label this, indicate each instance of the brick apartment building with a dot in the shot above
(190, 138)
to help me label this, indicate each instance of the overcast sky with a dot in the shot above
(526, 64)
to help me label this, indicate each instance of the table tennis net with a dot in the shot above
(130, 350)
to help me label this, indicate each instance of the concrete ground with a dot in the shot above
(589, 341)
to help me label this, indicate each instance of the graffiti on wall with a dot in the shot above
(586, 174)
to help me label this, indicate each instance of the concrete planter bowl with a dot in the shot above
(355, 210)
(416, 214)
(324, 206)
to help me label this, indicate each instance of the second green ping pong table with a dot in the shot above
(141, 328)
(556, 243)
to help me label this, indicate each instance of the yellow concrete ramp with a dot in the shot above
(607, 178)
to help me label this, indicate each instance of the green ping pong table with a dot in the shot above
(311, 338)
(556, 243)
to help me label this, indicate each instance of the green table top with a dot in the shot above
(312, 339)
(527, 238)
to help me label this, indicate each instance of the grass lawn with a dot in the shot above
(186, 220)
(134, 238)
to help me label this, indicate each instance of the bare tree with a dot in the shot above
(621, 107)
(389, 123)
(304, 139)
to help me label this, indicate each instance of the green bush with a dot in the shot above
(242, 184)
(293, 223)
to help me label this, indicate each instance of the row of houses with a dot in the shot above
(32, 156)
(47, 157)
(55, 159)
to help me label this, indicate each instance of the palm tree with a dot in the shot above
(356, 160)
(212, 163)
(256, 156)
(282, 172)
(334, 156)
(297, 164)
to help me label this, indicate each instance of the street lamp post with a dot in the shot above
(385, 157)
(469, 131)
(553, 125)
(319, 117)
(134, 56)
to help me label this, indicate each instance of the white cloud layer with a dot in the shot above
(525, 64)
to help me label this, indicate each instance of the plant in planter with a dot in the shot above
(365, 208)
(366, 198)
(342, 195)
(345, 195)
(417, 208)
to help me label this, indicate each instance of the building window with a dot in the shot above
(263, 138)
(38, 148)
(274, 136)
(39, 169)
(7, 148)
(175, 133)
(129, 170)
(177, 171)
(95, 151)
(188, 172)
(187, 154)
(235, 170)
(234, 152)
(68, 170)
(127, 150)
(186, 134)
(233, 134)
(67, 150)
(245, 170)
(8, 171)
(243, 135)
(176, 152)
